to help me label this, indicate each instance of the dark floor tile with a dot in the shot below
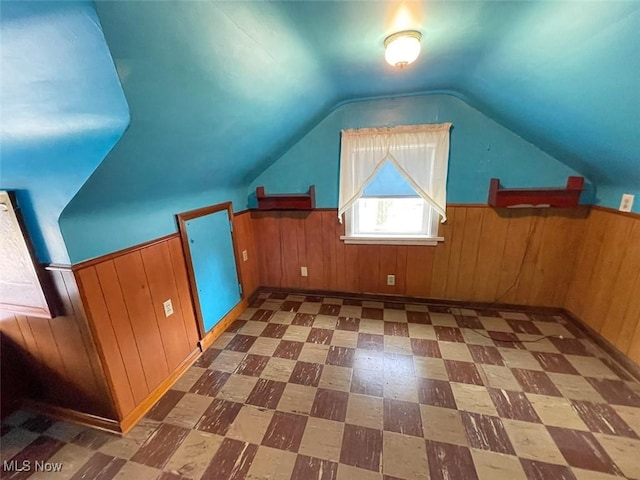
(313, 299)
(354, 302)
(340, 356)
(361, 447)
(448, 334)
(207, 357)
(418, 317)
(533, 381)
(262, 315)
(310, 468)
(447, 462)
(546, 471)
(303, 319)
(463, 372)
(306, 373)
(257, 303)
(266, 393)
(464, 321)
(38, 424)
(485, 354)
(350, 324)
(367, 382)
(274, 330)
(288, 349)
(435, 392)
(602, 418)
(290, 306)
(372, 313)
(615, 392)
(486, 433)
(210, 383)
(278, 295)
(285, 431)
(330, 405)
(514, 405)
(329, 309)
(542, 317)
(582, 450)
(398, 364)
(402, 417)
(570, 346)
(554, 362)
(394, 305)
(93, 439)
(171, 476)
(252, 365)
(99, 467)
(396, 329)
(439, 309)
(40, 450)
(162, 408)
(235, 326)
(370, 341)
(218, 417)
(4, 429)
(241, 343)
(232, 461)
(425, 348)
(160, 446)
(524, 326)
(574, 329)
(321, 336)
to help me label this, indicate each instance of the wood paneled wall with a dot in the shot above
(605, 288)
(123, 294)
(246, 240)
(523, 256)
(57, 356)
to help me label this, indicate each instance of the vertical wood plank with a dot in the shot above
(135, 290)
(419, 267)
(516, 245)
(388, 262)
(116, 372)
(313, 241)
(469, 253)
(402, 269)
(289, 250)
(156, 261)
(120, 323)
(453, 268)
(442, 253)
(329, 249)
(369, 268)
(493, 236)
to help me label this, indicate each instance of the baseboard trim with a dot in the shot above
(135, 415)
(625, 362)
(222, 325)
(391, 298)
(74, 416)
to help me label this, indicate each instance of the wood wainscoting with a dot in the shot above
(518, 256)
(605, 288)
(54, 361)
(123, 294)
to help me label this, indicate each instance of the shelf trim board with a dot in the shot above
(286, 201)
(536, 197)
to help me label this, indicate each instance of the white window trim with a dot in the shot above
(399, 239)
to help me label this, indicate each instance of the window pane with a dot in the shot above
(390, 216)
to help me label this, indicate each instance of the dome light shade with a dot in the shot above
(402, 48)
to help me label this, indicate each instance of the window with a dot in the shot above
(393, 184)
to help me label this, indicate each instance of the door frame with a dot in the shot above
(182, 226)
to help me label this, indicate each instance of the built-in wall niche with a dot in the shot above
(24, 287)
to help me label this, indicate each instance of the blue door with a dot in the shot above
(214, 265)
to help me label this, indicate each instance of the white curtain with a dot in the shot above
(419, 152)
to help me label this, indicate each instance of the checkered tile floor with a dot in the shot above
(325, 388)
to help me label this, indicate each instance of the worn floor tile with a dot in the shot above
(450, 461)
(361, 447)
(322, 439)
(365, 410)
(194, 454)
(532, 441)
(271, 464)
(250, 425)
(404, 456)
(497, 466)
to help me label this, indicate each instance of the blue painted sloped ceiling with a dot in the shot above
(62, 109)
(218, 91)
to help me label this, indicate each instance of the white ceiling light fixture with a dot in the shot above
(402, 48)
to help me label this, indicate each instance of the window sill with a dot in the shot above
(428, 241)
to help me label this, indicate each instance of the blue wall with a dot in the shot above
(62, 110)
(480, 149)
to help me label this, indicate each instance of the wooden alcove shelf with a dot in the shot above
(286, 201)
(536, 197)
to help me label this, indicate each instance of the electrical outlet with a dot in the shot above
(168, 308)
(627, 202)
(391, 279)
(303, 271)
(245, 256)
